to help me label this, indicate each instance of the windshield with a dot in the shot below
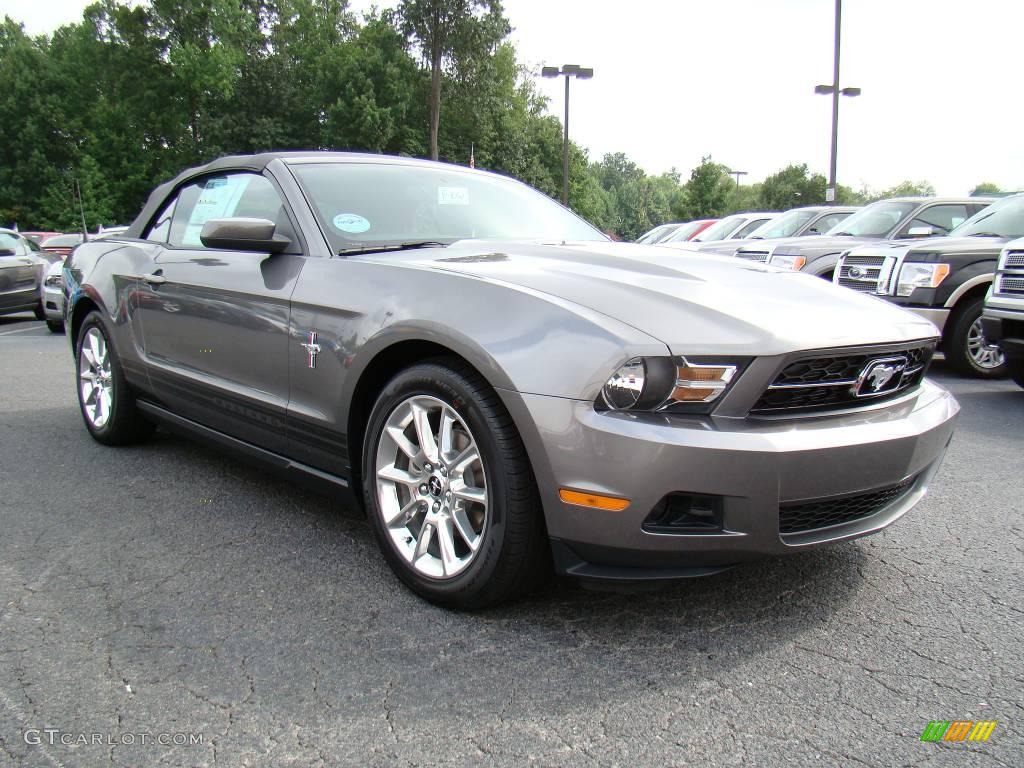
(1004, 218)
(786, 225)
(876, 220)
(721, 230)
(372, 204)
(682, 233)
(62, 241)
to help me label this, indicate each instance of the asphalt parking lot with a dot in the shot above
(169, 590)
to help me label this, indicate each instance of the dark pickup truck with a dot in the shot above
(900, 218)
(944, 280)
(1003, 319)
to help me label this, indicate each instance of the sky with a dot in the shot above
(675, 80)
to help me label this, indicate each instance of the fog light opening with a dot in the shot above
(686, 513)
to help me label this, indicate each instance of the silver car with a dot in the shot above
(52, 296)
(503, 388)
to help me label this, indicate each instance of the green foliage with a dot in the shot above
(708, 190)
(134, 92)
(903, 189)
(791, 187)
(986, 188)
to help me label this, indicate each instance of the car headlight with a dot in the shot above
(54, 281)
(795, 263)
(915, 275)
(667, 384)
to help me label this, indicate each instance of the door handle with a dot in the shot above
(155, 278)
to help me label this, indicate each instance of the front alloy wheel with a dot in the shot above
(431, 487)
(95, 379)
(966, 346)
(449, 490)
(107, 402)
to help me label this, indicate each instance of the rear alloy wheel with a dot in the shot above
(449, 491)
(967, 348)
(107, 403)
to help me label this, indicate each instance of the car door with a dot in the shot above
(19, 273)
(215, 322)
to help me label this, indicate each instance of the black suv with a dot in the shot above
(1003, 320)
(945, 280)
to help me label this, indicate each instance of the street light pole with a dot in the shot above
(737, 174)
(836, 92)
(567, 71)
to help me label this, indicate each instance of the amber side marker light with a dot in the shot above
(593, 500)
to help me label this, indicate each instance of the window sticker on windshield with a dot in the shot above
(452, 196)
(352, 223)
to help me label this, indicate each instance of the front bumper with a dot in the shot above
(53, 303)
(937, 315)
(753, 465)
(1005, 327)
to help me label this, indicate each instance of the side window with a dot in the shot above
(747, 228)
(33, 246)
(941, 218)
(825, 223)
(217, 197)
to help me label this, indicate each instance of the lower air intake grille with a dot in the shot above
(824, 513)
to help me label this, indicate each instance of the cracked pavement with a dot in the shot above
(168, 588)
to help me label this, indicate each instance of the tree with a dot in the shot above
(450, 33)
(986, 188)
(707, 191)
(903, 189)
(791, 187)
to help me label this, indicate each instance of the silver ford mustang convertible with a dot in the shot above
(506, 391)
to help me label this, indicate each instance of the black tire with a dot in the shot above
(955, 345)
(1016, 369)
(39, 312)
(55, 326)
(514, 554)
(125, 424)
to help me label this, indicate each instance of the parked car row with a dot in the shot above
(934, 256)
(30, 271)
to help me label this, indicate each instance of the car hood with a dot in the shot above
(818, 244)
(980, 246)
(694, 303)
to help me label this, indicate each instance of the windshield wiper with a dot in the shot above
(384, 247)
(844, 234)
(984, 234)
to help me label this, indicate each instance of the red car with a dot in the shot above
(61, 245)
(688, 231)
(38, 237)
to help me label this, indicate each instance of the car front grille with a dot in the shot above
(1014, 259)
(825, 513)
(865, 272)
(1010, 284)
(753, 254)
(824, 382)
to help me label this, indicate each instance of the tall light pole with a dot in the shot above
(835, 91)
(567, 71)
(737, 174)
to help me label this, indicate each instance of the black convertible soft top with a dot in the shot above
(256, 163)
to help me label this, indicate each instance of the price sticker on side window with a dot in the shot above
(452, 196)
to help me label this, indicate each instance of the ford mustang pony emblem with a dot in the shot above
(881, 376)
(312, 349)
